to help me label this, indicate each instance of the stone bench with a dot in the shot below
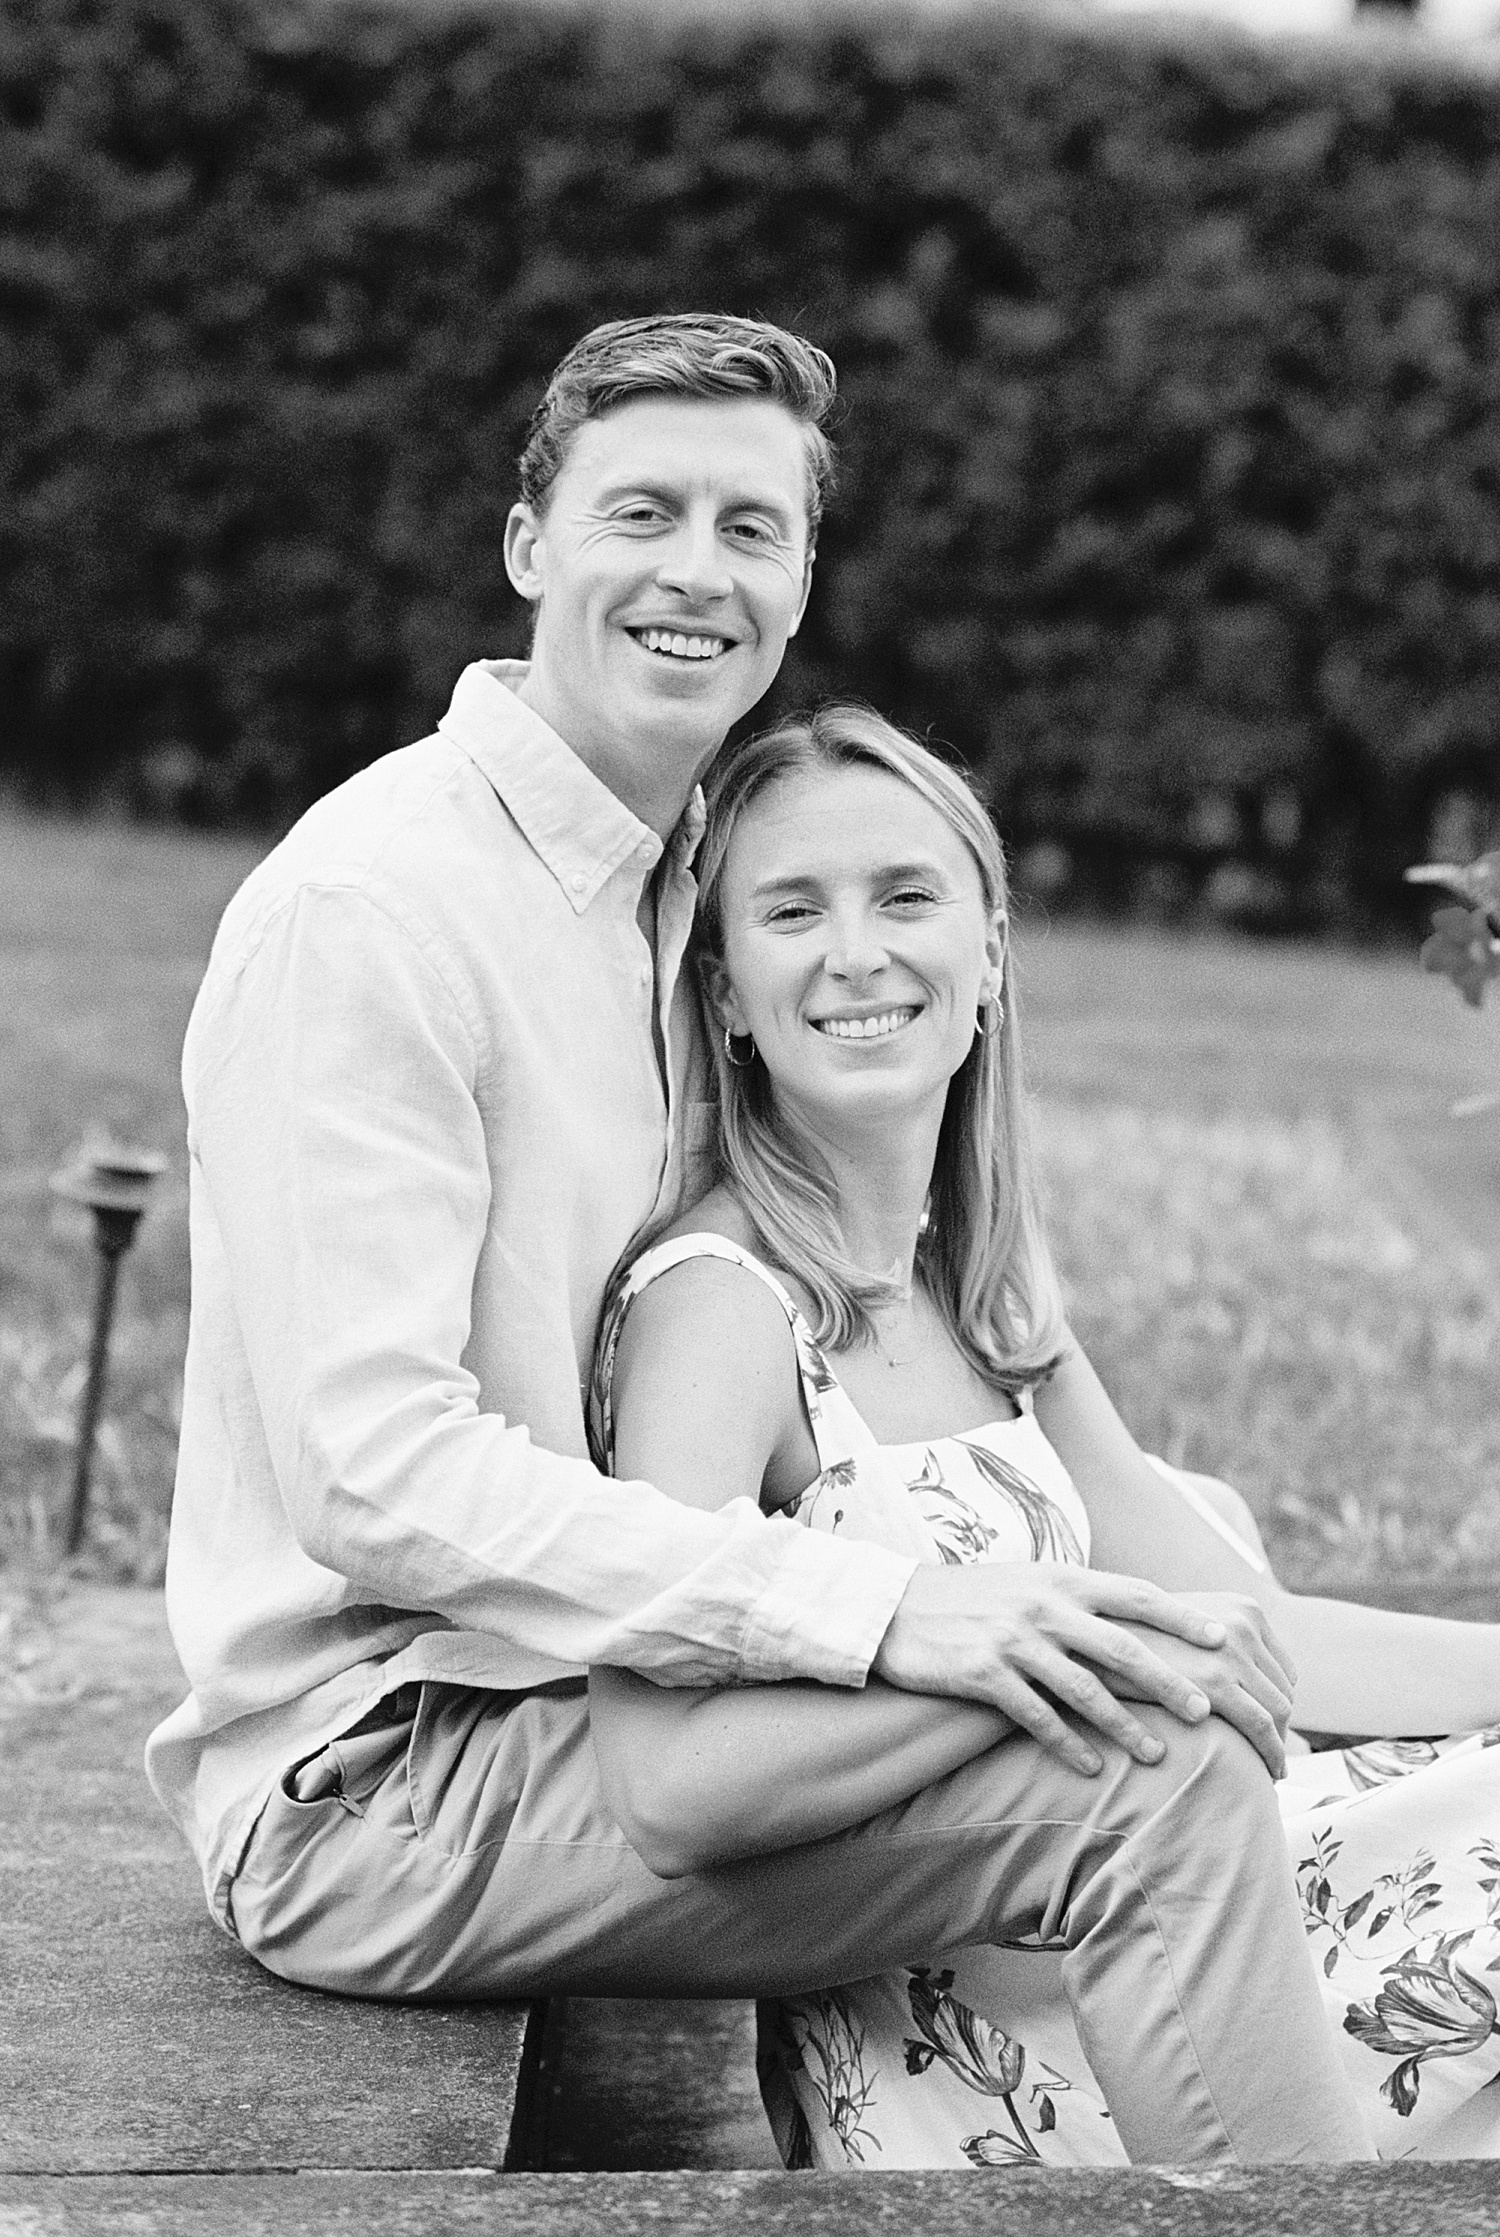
(135, 2038)
(154, 2080)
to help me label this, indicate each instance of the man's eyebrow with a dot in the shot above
(665, 494)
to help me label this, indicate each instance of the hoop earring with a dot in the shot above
(740, 1063)
(996, 1009)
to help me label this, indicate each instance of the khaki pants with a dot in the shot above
(454, 1845)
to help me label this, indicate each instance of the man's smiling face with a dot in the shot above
(670, 567)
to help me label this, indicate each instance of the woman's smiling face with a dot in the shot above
(858, 945)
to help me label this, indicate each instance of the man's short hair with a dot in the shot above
(682, 353)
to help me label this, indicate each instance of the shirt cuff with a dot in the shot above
(824, 1611)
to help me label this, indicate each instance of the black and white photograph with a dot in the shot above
(749, 1118)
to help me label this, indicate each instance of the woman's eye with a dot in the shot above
(910, 897)
(791, 913)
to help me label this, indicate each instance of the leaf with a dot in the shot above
(1476, 882)
(1400, 2088)
(919, 2056)
(1046, 2115)
(1322, 1897)
(1358, 1908)
(1330, 1961)
(1462, 947)
(1380, 1921)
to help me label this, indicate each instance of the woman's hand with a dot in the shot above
(1249, 1680)
(1025, 1636)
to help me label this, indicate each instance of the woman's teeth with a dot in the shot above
(865, 1029)
(679, 646)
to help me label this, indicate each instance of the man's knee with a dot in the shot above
(1178, 1829)
(1212, 1782)
(1209, 1765)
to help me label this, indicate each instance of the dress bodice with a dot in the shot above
(996, 1493)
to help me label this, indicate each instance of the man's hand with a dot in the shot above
(1249, 1680)
(1026, 1636)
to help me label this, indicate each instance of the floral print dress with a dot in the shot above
(972, 2059)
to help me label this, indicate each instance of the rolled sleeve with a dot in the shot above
(825, 1616)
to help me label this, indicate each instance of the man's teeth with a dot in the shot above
(865, 1029)
(681, 647)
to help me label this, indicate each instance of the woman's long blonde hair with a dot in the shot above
(983, 1255)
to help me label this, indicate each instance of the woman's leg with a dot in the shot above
(465, 1852)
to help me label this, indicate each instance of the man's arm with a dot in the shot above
(331, 1079)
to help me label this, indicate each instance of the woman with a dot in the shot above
(860, 1327)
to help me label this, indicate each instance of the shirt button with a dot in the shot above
(578, 882)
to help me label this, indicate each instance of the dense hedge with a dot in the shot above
(1173, 415)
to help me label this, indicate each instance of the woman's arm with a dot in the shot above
(1376, 1673)
(707, 1406)
(1355, 1669)
(699, 1778)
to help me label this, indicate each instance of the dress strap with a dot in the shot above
(818, 1381)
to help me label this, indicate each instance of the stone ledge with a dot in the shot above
(1461, 2199)
(135, 2037)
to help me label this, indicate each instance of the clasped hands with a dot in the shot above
(1033, 1638)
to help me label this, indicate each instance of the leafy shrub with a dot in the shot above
(1171, 443)
(1464, 943)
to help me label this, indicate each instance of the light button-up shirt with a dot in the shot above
(426, 1116)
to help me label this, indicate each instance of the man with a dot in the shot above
(441, 1070)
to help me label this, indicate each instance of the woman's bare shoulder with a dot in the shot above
(718, 1213)
(706, 1389)
(705, 1311)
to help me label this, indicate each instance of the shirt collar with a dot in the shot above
(574, 823)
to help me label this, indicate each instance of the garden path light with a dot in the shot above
(114, 1182)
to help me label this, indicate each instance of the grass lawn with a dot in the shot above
(1283, 1255)
(103, 935)
(1281, 1252)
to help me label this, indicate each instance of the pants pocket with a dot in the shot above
(335, 1820)
(473, 1753)
(349, 1768)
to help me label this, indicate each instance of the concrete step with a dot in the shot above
(1405, 2200)
(134, 2036)
(149, 2072)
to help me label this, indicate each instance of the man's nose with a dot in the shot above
(695, 565)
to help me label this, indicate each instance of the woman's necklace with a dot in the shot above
(900, 1337)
